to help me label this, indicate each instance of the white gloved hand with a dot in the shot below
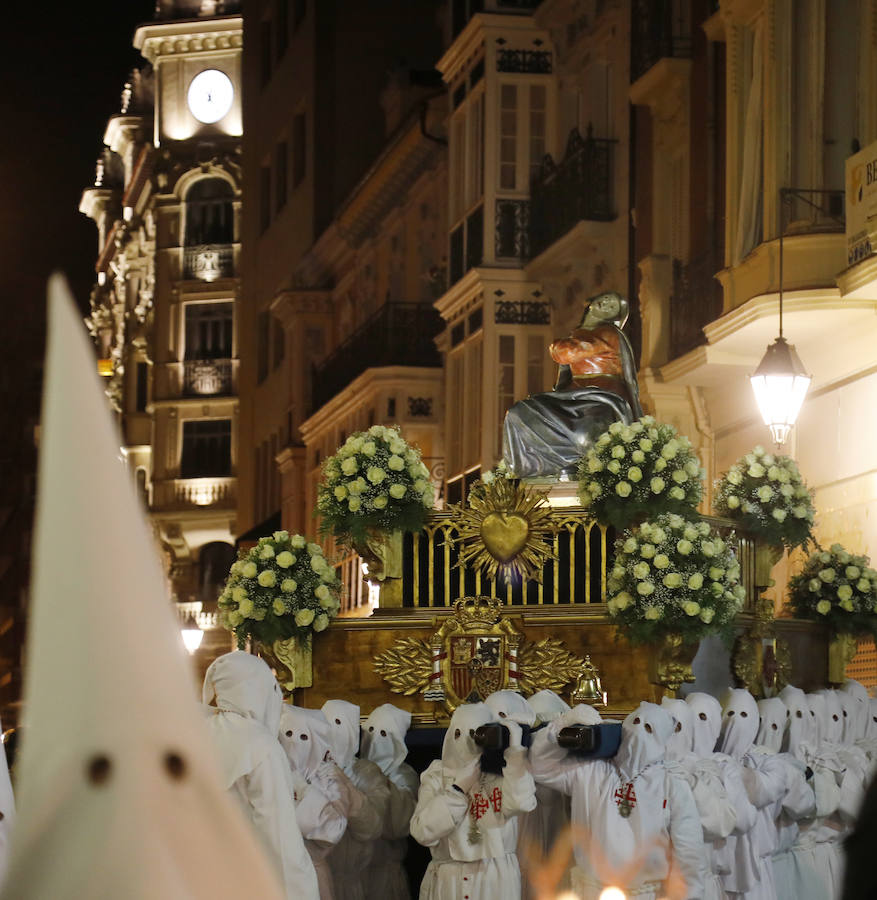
(516, 733)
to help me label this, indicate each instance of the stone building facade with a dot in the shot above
(166, 202)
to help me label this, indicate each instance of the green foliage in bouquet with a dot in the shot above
(766, 494)
(282, 587)
(839, 588)
(674, 574)
(642, 469)
(375, 482)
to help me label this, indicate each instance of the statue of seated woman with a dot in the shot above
(548, 433)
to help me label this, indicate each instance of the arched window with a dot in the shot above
(209, 213)
(214, 561)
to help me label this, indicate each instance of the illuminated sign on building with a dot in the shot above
(861, 204)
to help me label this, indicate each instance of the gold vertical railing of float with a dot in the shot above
(576, 572)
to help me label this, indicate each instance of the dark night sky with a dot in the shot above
(63, 68)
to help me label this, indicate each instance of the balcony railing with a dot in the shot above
(577, 188)
(207, 377)
(208, 262)
(660, 28)
(398, 334)
(194, 493)
(697, 301)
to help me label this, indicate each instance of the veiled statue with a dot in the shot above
(547, 434)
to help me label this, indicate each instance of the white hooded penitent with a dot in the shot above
(118, 791)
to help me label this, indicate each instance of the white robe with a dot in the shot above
(706, 725)
(383, 743)
(368, 802)
(662, 839)
(254, 766)
(321, 796)
(472, 835)
(747, 858)
(367, 798)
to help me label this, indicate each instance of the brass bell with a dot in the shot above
(588, 686)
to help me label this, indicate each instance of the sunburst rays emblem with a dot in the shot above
(503, 530)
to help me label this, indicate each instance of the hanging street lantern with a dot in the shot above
(780, 384)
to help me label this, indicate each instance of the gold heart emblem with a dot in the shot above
(504, 534)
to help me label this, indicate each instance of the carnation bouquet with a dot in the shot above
(674, 574)
(838, 588)
(642, 469)
(766, 494)
(375, 482)
(281, 588)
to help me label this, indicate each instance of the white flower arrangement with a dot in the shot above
(674, 574)
(765, 493)
(375, 482)
(642, 469)
(839, 588)
(491, 476)
(282, 587)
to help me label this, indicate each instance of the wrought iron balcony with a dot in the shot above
(208, 262)
(207, 377)
(577, 188)
(398, 334)
(660, 28)
(697, 301)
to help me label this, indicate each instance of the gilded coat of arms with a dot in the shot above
(476, 651)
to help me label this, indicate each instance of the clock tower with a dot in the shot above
(166, 201)
(197, 63)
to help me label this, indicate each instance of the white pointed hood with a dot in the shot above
(548, 705)
(832, 718)
(854, 717)
(343, 719)
(681, 742)
(707, 721)
(644, 735)
(739, 723)
(242, 690)
(458, 748)
(802, 728)
(818, 715)
(773, 720)
(871, 723)
(304, 735)
(119, 792)
(383, 737)
(511, 705)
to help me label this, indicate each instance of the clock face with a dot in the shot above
(210, 96)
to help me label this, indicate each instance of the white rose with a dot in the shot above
(349, 466)
(285, 559)
(321, 622)
(304, 617)
(380, 502)
(396, 463)
(397, 491)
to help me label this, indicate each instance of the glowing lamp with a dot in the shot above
(192, 634)
(780, 384)
(612, 893)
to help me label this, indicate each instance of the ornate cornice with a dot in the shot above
(288, 305)
(176, 39)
